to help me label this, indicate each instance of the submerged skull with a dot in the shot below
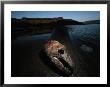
(59, 55)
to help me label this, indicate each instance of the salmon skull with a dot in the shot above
(59, 55)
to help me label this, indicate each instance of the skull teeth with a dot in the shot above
(65, 68)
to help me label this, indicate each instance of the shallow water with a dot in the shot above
(87, 33)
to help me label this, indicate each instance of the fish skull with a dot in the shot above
(59, 55)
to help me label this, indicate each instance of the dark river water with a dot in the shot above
(85, 49)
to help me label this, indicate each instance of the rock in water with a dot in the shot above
(59, 56)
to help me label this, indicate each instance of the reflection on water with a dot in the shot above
(85, 40)
(87, 33)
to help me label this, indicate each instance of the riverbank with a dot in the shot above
(84, 47)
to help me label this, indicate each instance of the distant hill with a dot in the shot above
(92, 22)
(29, 22)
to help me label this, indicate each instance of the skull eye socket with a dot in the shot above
(61, 51)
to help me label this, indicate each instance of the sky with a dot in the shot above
(75, 15)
